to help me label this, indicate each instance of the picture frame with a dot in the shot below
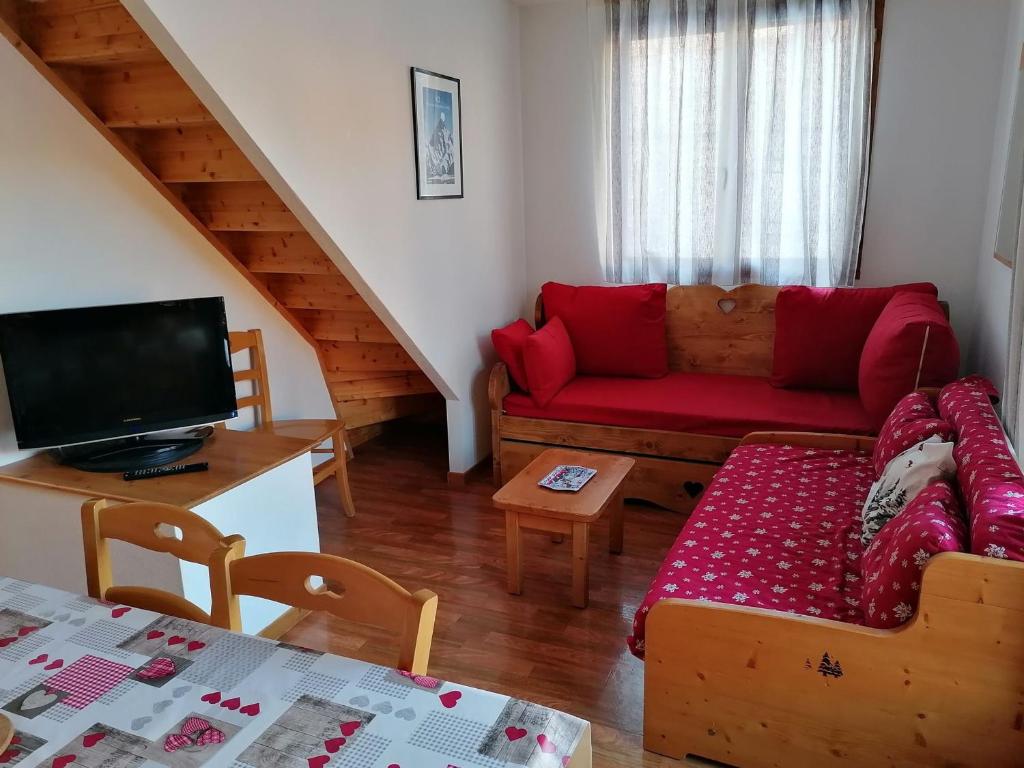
(437, 134)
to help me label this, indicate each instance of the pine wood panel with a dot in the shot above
(651, 442)
(279, 252)
(143, 95)
(742, 685)
(712, 330)
(344, 325)
(340, 356)
(87, 33)
(361, 413)
(316, 292)
(194, 153)
(238, 205)
(379, 386)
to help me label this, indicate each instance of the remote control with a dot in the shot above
(177, 469)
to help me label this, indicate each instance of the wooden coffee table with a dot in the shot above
(528, 505)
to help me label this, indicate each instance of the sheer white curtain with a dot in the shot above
(734, 138)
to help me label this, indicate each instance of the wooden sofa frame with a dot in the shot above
(709, 330)
(753, 687)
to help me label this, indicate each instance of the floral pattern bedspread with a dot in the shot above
(778, 528)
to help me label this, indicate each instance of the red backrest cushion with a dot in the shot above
(892, 355)
(912, 420)
(508, 343)
(893, 562)
(820, 333)
(990, 478)
(549, 360)
(617, 331)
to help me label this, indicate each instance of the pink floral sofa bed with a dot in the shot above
(769, 620)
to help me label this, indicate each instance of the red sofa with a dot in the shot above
(767, 609)
(700, 367)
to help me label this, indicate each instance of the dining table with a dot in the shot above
(92, 684)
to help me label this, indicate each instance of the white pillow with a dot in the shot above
(904, 477)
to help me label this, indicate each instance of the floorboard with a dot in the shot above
(414, 527)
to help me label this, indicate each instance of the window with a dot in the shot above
(736, 138)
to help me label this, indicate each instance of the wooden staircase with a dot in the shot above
(99, 58)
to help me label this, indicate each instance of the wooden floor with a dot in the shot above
(422, 532)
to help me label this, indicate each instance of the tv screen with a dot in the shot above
(79, 375)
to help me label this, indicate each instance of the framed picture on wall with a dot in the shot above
(437, 130)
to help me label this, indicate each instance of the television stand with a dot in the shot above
(126, 454)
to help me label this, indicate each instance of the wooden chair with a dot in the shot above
(6, 733)
(320, 430)
(352, 591)
(150, 526)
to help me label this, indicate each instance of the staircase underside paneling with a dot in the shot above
(117, 78)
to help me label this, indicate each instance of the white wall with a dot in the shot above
(321, 91)
(558, 146)
(79, 226)
(992, 305)
(937, 97)
(938, 94)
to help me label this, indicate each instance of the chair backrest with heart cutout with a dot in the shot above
(351, 591)
(158, 528)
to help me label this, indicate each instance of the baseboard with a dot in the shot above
(279, 626)
(458, 479)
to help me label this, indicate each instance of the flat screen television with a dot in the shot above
(78, 376)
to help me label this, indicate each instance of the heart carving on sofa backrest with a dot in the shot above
(726, 305)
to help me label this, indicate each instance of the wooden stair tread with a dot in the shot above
(279, 253)
(87, 34)
(238, 205)
(140, 96)
(201, 153)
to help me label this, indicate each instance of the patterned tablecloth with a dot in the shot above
(105, 686)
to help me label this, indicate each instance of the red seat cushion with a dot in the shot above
(778, 528)
(895, 559)
(508, 343)
(991, 482)
(616, 331)
(820, 333)
(912, 420)
(549, 361)
(892, 365)
(706, 403)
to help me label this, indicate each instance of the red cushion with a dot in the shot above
(508, 343)
(778, 528)
(895, 559)
(549, 360)
(820, 333)
(706, 403)
(892, 354)
(991, 481)
(912, 420)
(615, 331)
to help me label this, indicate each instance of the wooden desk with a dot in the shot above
(235, 457)
(259, 485)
